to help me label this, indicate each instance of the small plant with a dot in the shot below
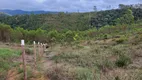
(108, 64)
(117, 78)
(121, 40)
(20, 70)
(123, 61)
(29, 73)
(29, 51)
(84, 74)
(105, 36)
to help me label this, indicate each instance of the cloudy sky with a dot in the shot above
(63, 5)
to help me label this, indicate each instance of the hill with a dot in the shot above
(4, 14)
(21, 12)
(69, 21)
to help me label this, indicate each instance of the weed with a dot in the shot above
(121, 40)
(123, 61)
(6, 56)
(29, 51)
(117, 78)
(84, 74)
(20, 70)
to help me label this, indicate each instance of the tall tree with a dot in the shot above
(95, 8)
(127, 18)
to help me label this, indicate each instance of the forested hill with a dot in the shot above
(21, 12)
(3, 14)
(74, 21)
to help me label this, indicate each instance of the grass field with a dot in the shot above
(6, 61)
(111, 56)
(110, 59)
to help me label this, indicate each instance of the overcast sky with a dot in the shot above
(63, 5)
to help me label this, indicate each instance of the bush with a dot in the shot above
(105, 36)
(69, 36)
(28, 51)
(84, 74)
(117, 78)
(123, 61)
(121, 40)
(53, 35)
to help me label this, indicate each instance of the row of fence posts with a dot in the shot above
(41, 48)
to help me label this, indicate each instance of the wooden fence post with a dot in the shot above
(23, 57)
(44, 46)
(39, 50)
(34, 54)
(42, 50)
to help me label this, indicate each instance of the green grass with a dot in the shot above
(6, 57)
(123, 61)
(90, 60)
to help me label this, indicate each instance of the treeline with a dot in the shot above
(8, 34)
(73, 21)
(117, 16)
(60, 21)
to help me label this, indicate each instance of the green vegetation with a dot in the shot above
(29, 51)
(123, 61)
(68, 27)
(106, 32)
(74, 21)
(6, 58)
(106, 59)
(100, 45)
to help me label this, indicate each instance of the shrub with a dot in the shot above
(105, 36)
(123, 61)
(84, 74)
(69, 36)
(121, 40)
(28, 51)
(117, 78)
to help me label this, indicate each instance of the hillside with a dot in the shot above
(22, 12)
(107, 54)
(70, 21)
(3, 14)
(100, 45)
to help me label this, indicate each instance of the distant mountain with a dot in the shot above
(21, 12)
(4, 14)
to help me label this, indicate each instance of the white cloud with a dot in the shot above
(62, 5)
(40, 1)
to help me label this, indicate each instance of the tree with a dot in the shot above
(17, 34)
(5, 32)
(121, 6)
(95, 8)
(40, 35)
(127, 18)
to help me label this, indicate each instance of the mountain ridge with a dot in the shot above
(22, 12)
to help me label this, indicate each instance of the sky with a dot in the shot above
(63, 5)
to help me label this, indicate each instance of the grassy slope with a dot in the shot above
(11, 67)
(116, 58)
(6, 60)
